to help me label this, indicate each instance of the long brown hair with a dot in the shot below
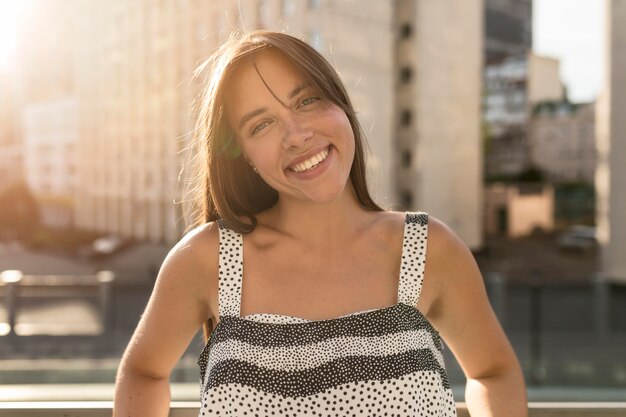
(223, 185)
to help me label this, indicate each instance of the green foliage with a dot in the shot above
(574, 203)
(531, 174)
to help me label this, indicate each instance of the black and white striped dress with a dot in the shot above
(380, 362)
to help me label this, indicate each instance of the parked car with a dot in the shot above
(578, 238)
(104, 246)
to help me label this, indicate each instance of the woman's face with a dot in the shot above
(301, 145)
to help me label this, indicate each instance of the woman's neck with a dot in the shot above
(319, 224)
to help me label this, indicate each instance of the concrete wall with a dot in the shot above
(544, 80)
(611, 147)
(448, 149)
(525, 211)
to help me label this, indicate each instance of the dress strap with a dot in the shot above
(230, 270)
(413, 257)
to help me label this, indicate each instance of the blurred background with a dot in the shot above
(503, 118)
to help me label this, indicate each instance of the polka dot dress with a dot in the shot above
(380, 362)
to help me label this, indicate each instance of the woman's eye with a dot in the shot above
(260, 127)
(309, 100)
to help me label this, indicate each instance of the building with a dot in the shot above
(515, 210)
(507, 28)
(512, 89)
(514, 86)
(49, 107)
(563, 141)
(544, 80)
(611, 147)
(51, 132)
(139, 94)
(11, 154)
(437, 112)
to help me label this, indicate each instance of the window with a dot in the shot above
(406, 73)
(407, 158)
(406, 30)
(406, 118)
(407, 199)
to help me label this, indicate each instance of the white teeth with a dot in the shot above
(311, 162)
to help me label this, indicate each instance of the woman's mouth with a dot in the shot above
(312, 162)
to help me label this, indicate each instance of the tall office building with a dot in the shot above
(513, 88)
(437, 88)
(136, 73)
(508, 29)
(611, 147)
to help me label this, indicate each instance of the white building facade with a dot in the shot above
(51, 133)
(563, 142)
(438, 151)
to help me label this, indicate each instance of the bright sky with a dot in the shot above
(573, 31)
(9, 10)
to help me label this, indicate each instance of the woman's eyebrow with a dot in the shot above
(297, 90)
(250, 115)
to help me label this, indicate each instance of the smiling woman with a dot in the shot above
(300, 143)
(336, 313)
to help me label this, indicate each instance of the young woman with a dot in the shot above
(343, 305)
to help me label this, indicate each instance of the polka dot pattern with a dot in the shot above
(379, 362)
(230, 270)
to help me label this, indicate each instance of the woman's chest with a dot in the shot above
(319, 283)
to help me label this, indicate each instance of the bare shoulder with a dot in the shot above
(448, 260)
(442, 240)
(196, 248)
(193, 262)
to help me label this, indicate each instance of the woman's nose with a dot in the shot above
(296, 131)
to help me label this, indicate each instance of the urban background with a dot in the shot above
(464, 119)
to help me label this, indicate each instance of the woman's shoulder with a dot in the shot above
(441, 240)
(447, 257)
(194, 258)
(198, 242)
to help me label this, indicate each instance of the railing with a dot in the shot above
(17, 286)
(601, 330)
(190, 409)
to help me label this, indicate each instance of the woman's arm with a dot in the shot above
(177, 308)
(463, 316)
